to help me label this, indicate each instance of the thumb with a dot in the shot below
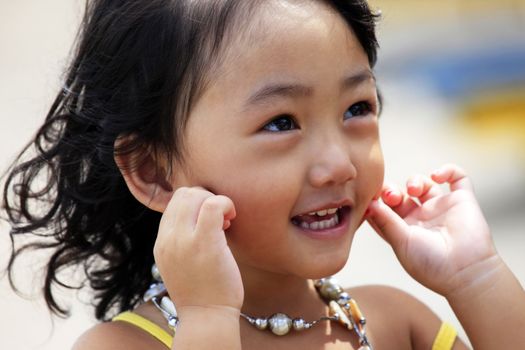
(388, 224)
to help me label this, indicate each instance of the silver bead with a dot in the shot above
(261, 323)
(155, 273)
(330, 289)
(343, 298)
(280, 324)
(364, 347)
(154, 290)
(318, 283)
(299, 324)
(173, 321)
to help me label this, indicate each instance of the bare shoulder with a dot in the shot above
(116, 335)
(386, 299)
(396, 317)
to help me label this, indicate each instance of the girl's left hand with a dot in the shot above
(439, 237)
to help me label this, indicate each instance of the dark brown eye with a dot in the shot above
(281, 123)
(357, 110)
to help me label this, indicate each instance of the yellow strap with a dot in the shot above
(146, 325)
(445, 338)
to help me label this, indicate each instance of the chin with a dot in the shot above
(328, 265)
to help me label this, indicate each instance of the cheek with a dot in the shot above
(263, 205)
(258, 192)
(257, 188)
(371, 170)
(379, 170)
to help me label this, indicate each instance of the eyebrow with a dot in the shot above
(292, 90)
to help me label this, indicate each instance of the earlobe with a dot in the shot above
(145, 177)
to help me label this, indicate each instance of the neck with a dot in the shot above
(266, 293)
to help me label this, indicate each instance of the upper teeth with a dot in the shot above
(324, 212)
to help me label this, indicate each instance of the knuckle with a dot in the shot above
(211, 204)
(224, 200)
(181, 192)
(159, 251)
(186, 193)
(454, 168)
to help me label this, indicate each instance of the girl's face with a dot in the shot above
(287, 127)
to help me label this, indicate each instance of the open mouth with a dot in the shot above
(322, 219)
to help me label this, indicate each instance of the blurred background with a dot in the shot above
(453, 78)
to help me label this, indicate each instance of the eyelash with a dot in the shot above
(283, 117)
(368, 108)
(286, 121)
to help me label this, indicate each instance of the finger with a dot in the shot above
(398, 200)
(389, 225)
(423, 188)
(454, 176)
(391, 195)
(215, 213)
(177, 224)
(229, 216)
(183, 209)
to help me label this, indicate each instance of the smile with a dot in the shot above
(322, 219)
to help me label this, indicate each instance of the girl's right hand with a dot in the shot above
(192, 253)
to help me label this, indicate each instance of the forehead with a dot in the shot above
(274, 23)
(289, 39)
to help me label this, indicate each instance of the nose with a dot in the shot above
(332, 164)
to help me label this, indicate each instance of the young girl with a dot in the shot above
(235, 144)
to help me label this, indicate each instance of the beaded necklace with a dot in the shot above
(342, 308)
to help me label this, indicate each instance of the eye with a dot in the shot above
(357, 110)
(281, 123)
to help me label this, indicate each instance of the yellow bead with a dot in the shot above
(356, 313)
(342, 317)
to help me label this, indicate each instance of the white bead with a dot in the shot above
(154, 290)
(261, 323)
(169, 306)
(364, 347)
(173, 321)
(343, 299)
(155, 273)
(298, 324)
(280, 324)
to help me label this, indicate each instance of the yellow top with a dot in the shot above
(444, 339)
(146, 325)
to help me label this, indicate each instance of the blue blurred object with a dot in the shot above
(463, 75)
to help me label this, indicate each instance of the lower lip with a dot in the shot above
(330, 233)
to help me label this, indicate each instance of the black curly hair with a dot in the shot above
(138, 68)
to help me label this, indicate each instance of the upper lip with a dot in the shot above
(333, 204)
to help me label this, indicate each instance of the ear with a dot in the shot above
(145, 174)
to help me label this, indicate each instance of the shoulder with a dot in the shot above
(395, 316)
(116, 335)
(386, 298)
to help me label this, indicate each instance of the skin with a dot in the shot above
(226, 241)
